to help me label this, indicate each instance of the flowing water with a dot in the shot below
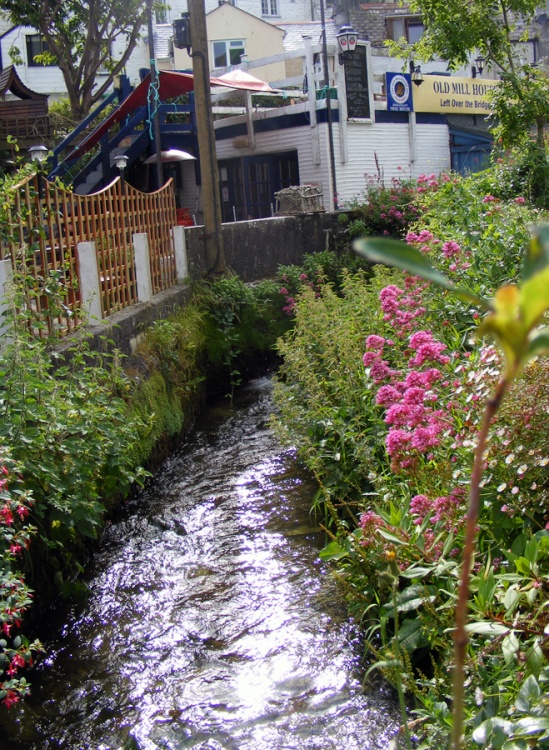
(212, 623)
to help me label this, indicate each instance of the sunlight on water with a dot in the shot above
(211, 622)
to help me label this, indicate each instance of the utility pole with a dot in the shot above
(209, 174)
(154, 97)
(328, 106)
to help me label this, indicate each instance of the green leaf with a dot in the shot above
(410, 599)
(510, 646)
(528, 694)
(407, 258)
(333, 551)
(537, 253)
(411, 636)
(486, 628)
(390, 536)
(538, 344)
(416, 571)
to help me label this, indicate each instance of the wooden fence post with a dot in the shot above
(142, 266)
(90, 286)
(180, 249)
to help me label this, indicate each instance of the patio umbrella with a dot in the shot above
(172, 154)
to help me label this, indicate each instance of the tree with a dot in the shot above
(80, 35)
(455, 29)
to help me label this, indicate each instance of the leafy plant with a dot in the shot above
(513, 320)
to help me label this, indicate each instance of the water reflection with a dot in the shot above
(211, 622)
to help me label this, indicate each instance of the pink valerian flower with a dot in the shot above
(426, 348)
(489, 199)
(369, 523)
(519, 199)
(449, 249)
(402, 306)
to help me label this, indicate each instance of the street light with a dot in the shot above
(346, 40)
(415, 72)
(38, 155)
(121, 162)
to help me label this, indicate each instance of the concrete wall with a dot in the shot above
(255, 249)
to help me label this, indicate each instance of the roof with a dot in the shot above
(295, 32)
(171, 84)
(10, 81)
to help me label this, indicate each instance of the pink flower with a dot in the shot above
(488, 199)
(519, 199)
(451, 248)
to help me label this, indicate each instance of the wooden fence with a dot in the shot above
(43, 226)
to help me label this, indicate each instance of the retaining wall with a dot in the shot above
(253, 250)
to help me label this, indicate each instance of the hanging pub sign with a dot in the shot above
(453, 95)
(399, 92)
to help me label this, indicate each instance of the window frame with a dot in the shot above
(410, 22)
(270, 8)
(43, 47)
(228, 58)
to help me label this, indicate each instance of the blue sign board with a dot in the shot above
(399, 92)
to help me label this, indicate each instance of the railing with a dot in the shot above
(46, 225)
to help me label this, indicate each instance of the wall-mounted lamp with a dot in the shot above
(478, 67)
(346, 41)
(415, 72)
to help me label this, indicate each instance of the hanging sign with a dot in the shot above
(399, 92)
(453, 94)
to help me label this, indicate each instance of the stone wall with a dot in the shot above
(255, 249)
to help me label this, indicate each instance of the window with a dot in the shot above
(161, 14)
(36, 45)
(228, 52)
(269, 8)
(409, 27)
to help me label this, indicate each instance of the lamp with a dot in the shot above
(415, 72)
(479, 67)
(346, 41)
(121, 162)
(38, 154)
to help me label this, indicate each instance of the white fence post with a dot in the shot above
(180, 249)
(90, 289)
(142, 266)
(6, 275)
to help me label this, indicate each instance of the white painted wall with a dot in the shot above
(388, 142)
(46, 79)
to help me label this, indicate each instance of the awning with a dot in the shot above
(171, 84)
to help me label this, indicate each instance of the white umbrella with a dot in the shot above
(173, 154)
(240, 79)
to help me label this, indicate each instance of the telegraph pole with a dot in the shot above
(154, 97)
(209, 174)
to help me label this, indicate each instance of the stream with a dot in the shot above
(211, 621)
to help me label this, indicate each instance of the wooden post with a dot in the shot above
(209, 174)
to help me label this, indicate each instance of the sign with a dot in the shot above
(357, 84)
(453, 95)
(399, 92)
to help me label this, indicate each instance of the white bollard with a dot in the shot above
(90, 288)
(142, 266)
(180, 249)
(6, 275)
